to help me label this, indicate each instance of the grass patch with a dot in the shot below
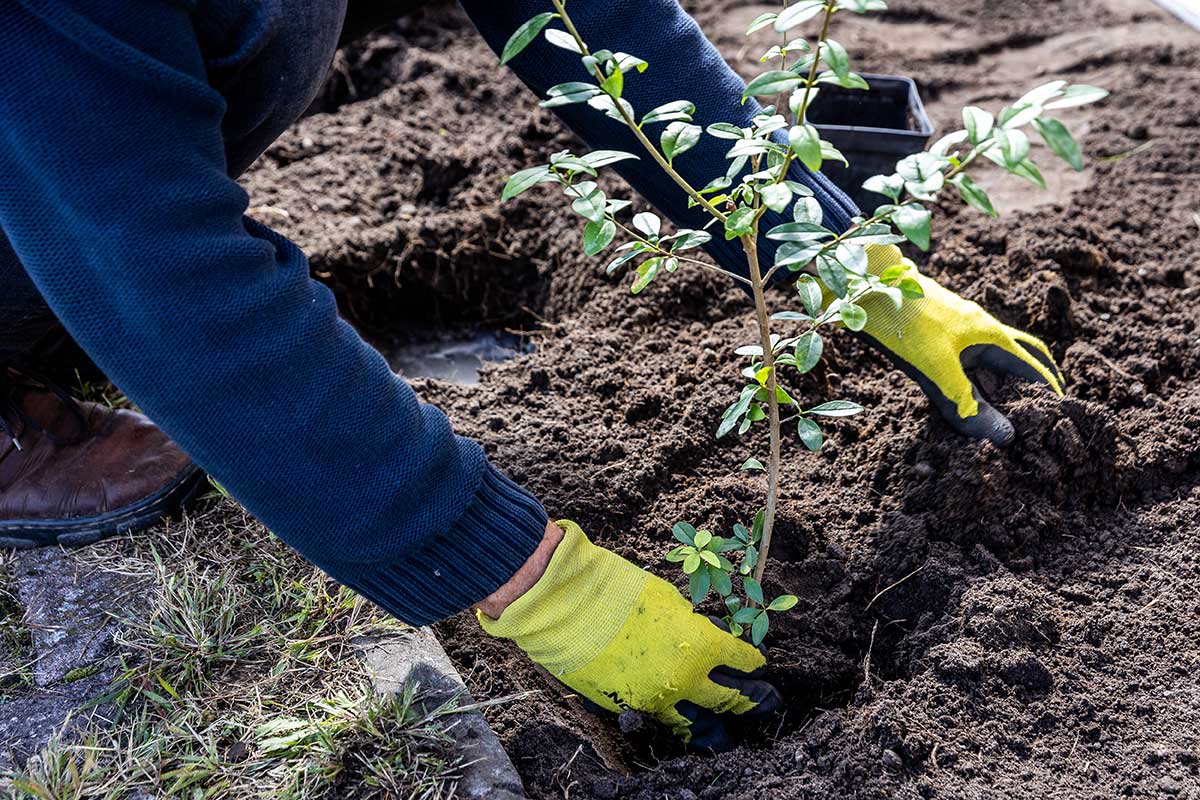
(238, 679)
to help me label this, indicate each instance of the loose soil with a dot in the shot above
(973, 622)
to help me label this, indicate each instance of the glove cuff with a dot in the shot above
(884, 319)
(575, 609)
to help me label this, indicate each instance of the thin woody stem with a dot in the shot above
(809, 83)
(750, 244)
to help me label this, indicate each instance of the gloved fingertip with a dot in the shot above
(706, 731)
(987, 423)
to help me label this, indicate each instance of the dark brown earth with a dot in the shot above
(974, 622)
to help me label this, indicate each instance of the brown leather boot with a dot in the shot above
(73, 473)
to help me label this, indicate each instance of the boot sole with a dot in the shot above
(28, 533)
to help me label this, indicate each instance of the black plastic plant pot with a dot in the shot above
(874, 129)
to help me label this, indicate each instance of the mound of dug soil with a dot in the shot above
(973, 622)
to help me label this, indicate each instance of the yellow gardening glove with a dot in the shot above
(625, 639)
(936, 338)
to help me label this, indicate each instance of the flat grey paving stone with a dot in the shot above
(28, 722)
(67, 608)
(417, 655)
(67, 604)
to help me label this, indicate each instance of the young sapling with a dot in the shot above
(829, 268)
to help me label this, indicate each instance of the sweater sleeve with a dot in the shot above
(115, 197)
(684, 65)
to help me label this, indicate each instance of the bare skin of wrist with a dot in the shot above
(494, 604)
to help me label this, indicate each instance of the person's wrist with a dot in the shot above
(524, 578)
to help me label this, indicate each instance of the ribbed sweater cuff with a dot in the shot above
(493, 538)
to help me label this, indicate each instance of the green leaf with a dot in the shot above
(1029, 171)
(776, 196)
(684, 532)
(760, 22)
(614, 84)
(679, 137)
(805, 142)
(710, 558)
(836, 57)
(1078, 95)
(833, 274)
(602, 158)
(567, 93)
(796, 255)
(775, 81)
(525, 34)
(851, 80)
(753, 465)
(1060, 141)
(720, 581)
(808, 351)
(562, 39)
(810, 294)
(756, 528)
(836, 408)
(808, 209)
(699, 582)
(669, 112)
(703, 538)
(724, 130)
(678, 554)
(758, 630)
(942, 146)
(691, 563)
(597, 236)
(799, 232)
(797, 14)
(627, 62)
(616, 263)
(1040, 95)
(647, 223)
(1014, 147)
(783, 603)
(525, 179)
(973, 195)
(810, 433)
(753, 590)
(978, 123)
(688, 239)
(791, 316)
(852, 256)
(740, 222)
(914, 221)
(863, 6)
(744, 616)
(647, 271)
(889, 185)
(853, 316)
(911, 288)
(590, 206)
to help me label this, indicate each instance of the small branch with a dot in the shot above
(668, 253)
(560, 7)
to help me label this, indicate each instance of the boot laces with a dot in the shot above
(15, 383)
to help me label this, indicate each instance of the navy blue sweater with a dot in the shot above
(115, 195)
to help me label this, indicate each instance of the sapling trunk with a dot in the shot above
(750, 245)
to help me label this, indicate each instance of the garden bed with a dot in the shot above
(972, 621)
